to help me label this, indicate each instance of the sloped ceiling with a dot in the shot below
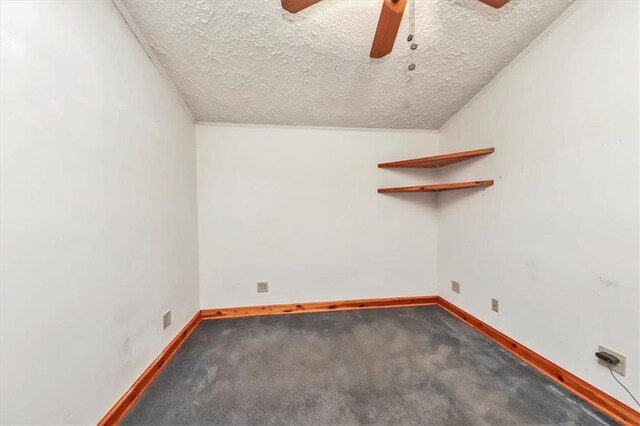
(249, 61)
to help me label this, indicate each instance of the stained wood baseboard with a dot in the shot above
(301, 308)
(584, 390)
(127, 401)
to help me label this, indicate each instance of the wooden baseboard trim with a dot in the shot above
(305, 308)
(124, 404)
(584, 390)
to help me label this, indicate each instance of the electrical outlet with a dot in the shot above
(621, 368)
(494, 305)
(263, 287)
(455, 287)
(166, 320)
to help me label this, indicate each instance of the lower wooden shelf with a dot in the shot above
(438, 187)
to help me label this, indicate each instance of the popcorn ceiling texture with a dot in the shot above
(249, 61)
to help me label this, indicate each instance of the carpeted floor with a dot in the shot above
(383, 366)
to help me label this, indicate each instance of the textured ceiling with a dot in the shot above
(249, 61)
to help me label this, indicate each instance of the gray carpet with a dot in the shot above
(384, 366)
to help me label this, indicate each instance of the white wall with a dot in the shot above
(299, 208)
(98, 211)
(556, 239)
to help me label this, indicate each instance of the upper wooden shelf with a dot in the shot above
(439, 160)
(438, 187)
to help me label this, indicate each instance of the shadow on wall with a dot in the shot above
(451, 198)
(418, 199)
(421, 176)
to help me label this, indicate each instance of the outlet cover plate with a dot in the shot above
(494, 305)
(455, 287)
(621, 368)
(263, 287)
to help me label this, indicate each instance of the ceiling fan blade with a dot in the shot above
(495, 3)
(388, 25)
(295, 6)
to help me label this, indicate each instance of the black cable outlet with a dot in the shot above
(608, 358)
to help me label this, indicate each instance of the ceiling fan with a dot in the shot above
(388, 23)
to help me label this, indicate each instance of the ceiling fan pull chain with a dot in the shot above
(412, 23)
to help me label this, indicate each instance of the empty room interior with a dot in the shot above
(320, 212)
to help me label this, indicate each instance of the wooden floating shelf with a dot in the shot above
(439, 160)
(438, 187)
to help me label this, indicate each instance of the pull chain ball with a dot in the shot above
(413, 46)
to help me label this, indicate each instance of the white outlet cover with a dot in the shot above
(621, 368)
